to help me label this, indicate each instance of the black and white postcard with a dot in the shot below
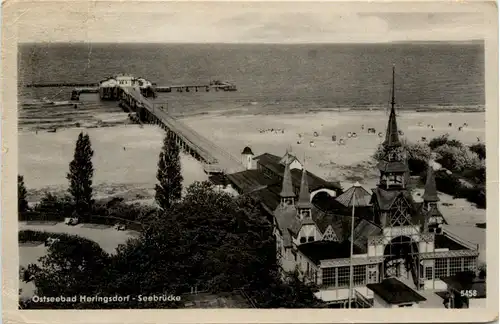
(249, 161)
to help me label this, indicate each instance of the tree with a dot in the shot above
(74, 266)
(80, 175)
(22, 203)
(169, 175)
(479, 149)
(210, 240)
(444, 140)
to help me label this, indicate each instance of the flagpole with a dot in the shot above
(352, 252)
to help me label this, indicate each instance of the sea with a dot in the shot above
(270, 77)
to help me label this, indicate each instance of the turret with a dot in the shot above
(247, 158)
(304, 206)
(287, 193)
(393, 165)
(434, 220)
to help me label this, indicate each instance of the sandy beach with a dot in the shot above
(125, 156)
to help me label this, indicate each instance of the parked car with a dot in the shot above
(119, 227)
(71, 221)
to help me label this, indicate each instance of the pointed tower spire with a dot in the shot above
(430, 192)
(287, 193)
(304, 195)
(304, 205)
(392, 134)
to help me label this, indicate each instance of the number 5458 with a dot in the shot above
(468, 293)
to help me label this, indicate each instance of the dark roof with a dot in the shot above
(385, 198)
(395, 292)
(326, 250)
(269, 196)
(272, 162)
(467, 281)
(286, 216)
(247, 150)
(393, 166)
(304, 195)
(248, 180)
(341, 224)
(392, 134)
(443, 241)
(218, 179)
(287, 189)
(363, 230)
(430, 191)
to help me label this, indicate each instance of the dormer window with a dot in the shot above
(303, 239)
(310, 239)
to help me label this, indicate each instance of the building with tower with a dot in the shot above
(389, 239)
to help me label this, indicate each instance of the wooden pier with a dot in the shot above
(214, 158)
(113, 92)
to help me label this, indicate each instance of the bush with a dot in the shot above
(479, 149)
(444, 140)
(418, 155)
(52, 207)
(33, 236)
(457, 159)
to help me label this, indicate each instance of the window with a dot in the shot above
(343, 277)
(310, 239)
(303, 239)
(470, 264)
(441, 268)
(455, 265)
(359, 275)
(329, 276)
(428, 273)
(372, 275)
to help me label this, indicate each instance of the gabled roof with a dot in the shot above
(329, 234)
(385, 198)
(395, 292)
(361, 197)
(288, 158)
(444, 241)
(248, 180)
(363, 231)
(272, 162)
(297, 225)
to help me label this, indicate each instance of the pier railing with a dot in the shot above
(218, 159)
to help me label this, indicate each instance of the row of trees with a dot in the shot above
(206, 239)
(80, 200)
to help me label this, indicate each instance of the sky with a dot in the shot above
(248, 22)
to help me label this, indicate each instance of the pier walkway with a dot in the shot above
(214, 158)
